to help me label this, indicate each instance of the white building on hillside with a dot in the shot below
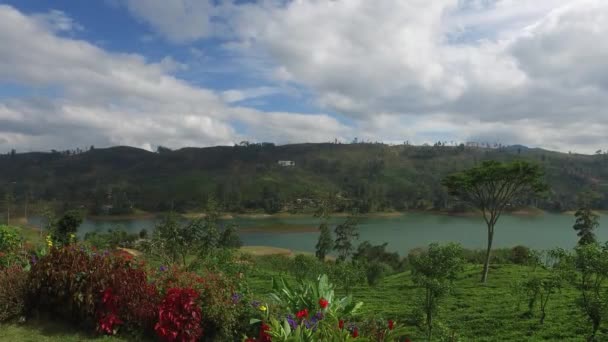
(287, 163)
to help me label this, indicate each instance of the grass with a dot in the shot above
(47, 331)
(476, 312)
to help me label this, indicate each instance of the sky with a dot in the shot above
(182, 73)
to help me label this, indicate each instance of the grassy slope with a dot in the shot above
(476, 312)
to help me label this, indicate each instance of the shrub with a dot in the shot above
(11, 247)
(72, 282)
(13, 289)
(179, 316)
(520, 255)
(307, 267)
(65, 228)
(217, 298)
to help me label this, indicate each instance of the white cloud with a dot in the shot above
(530, 72)
(500, 68)
(57, 21)
(105, 98)
(179, 21)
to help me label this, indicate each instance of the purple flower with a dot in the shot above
(34, 260)
(292, 322)
(162, 268)
(106, 253)
(235, 298)
(256, 304)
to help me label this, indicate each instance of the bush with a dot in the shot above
(11, 247)
(110, 240)
(13, 289)
(179, 317)
(218, 298)
(520, 255)
(69, 282)
(307, 267)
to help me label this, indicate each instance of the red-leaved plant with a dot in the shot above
(179, 316)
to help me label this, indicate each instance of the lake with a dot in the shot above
(401, 232)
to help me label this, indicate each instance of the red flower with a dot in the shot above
(301, 314)
(355, 332)
(264, 336)
(407, 340)
(341, 324)
(391, 324)
(323, 303)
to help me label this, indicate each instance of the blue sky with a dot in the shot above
(207, 72)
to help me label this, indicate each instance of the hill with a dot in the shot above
(372, 177)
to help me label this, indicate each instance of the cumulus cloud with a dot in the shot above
(530, 71)
(179, 21)
(509, 71)
(104, 98)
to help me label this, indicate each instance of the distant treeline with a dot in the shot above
(247, 177)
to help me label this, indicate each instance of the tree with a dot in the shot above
(493, 186)
(325, 242)
(434, 271)
(229, 238)
(591, 264)
(67, 226)
(169, 240)
(586, 223)
(346, 232)
(539, 287)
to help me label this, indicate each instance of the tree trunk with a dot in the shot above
(486, 264)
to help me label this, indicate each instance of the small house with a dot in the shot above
(287, 163)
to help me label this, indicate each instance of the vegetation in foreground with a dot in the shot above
(190, 284)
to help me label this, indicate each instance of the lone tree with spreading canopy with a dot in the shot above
(491, 187)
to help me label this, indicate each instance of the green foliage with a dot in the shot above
(520, 255)
(13, 289)
(543, 283)
(493, 186)
(306, 295)
(586, 223)
(11, 247)
(111, 239)
(325, 242)
(371, 176)
(378, 254)
(591, 264)
(307, 267)
(229, 238)
(64, 230)
(171, 241)
(434, 272)
(345, 233)
(347, 275)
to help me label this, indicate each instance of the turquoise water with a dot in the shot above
(402, 233)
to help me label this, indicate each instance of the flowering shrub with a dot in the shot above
(108, 313)
(179, 316)
(95, 289)
(218, 298)
(13, 286)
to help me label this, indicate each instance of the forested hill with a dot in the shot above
(372, 177)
